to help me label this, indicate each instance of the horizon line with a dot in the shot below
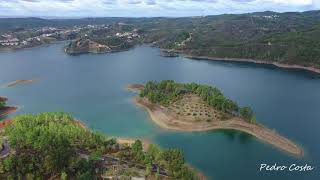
(136, 17)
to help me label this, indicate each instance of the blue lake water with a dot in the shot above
(92, 89)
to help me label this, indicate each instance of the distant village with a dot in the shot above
(35, 37)
(21, 40)
(12, 39)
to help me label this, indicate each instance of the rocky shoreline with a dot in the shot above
(6, 110)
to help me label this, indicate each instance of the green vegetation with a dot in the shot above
(291, 38)
(1, 143)
(2, 104)
(248, 114)
(169, 159)
(116, 43)
(45, 146)
(52, 145)
(92, 45)
(167, 92)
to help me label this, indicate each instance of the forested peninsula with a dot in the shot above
(196, 107)
(55, 146)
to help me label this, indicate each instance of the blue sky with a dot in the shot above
(147, 8)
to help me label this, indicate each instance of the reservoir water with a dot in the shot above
(92, 89)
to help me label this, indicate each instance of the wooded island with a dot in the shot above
(196, 107)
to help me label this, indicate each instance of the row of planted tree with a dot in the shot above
(168, 91)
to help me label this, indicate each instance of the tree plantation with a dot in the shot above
(167, 91)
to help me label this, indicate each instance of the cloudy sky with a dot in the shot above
(147, 8)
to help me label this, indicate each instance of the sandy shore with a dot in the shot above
(80, 123)
(121, 140)
(135, 87)
(160, 117)
(20, 81)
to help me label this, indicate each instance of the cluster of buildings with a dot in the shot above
(128, 35)
(17, 42)
(10, 42)
(90, 27)
(268, 17)
(10, 39)
(14, 39)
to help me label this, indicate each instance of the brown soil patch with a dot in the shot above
(135, 87)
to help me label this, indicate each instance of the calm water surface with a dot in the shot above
(92, 88)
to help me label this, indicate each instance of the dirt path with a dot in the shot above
(5, 149)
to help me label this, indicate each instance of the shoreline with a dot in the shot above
(8, 110)
(135, 87)
(12, 50)
(121, 140)
(19, 82)
(96, 53)
(255, 61)
(161, 118)
(279, 65)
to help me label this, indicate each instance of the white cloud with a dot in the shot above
(147, 7)
(294, 2)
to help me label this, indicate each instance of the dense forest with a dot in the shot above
(2, 104)
(53, 145)
(166, 92)
(289, 38)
